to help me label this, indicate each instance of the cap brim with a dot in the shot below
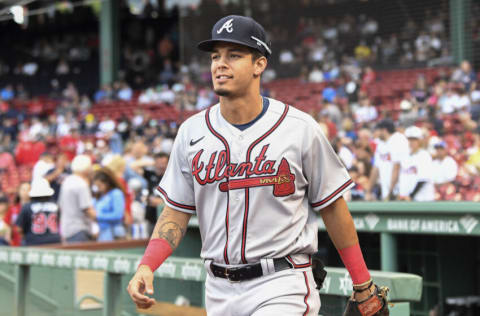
(207, 46)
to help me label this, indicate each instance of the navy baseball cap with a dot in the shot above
(240, 30)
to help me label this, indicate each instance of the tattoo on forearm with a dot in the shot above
(171, 232)
(168, 229)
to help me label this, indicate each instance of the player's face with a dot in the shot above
(233, 70)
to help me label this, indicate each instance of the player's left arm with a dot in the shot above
(341, 229)
(169, 230)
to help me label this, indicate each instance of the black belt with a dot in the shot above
(247, 272)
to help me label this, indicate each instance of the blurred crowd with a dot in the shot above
(69, 176)
(79, 165)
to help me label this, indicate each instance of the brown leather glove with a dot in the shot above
(375, 305)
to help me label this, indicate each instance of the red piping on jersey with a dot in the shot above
(306, 295)
(301, 265)
(169, 200)
(227, 149)
(328, 198)
(249, 151)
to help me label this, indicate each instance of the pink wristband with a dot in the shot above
(353, 260)
(157, 251)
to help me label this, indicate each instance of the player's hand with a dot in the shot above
(141, 283)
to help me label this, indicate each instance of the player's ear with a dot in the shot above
(259, 66)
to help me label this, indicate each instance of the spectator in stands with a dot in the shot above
(38, 219)
(38, 128)
(109, 205)
(102, 151)
(464, 74)
(106, 126)
(168, 72)
(139, 227)
(153, 174)
(449, 101)
(329, 93)
(366, 112)
(70, 93)
(43, 165)
(56, 175)
(20, 200)
(316, 75)
(117, 165)
(139, 158)
(416, 178)
(475, 98)
(75, 201)
(69, 143)
(9, 177)
(5, 229)
(419, 92)
(409, 114)
(392, 148)
(125, 93)
(473, 163)
(7, 93)
(62, 67)
(104, 94)
(444, 167)
(21, 92)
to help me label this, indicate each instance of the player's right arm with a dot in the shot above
(169, 230)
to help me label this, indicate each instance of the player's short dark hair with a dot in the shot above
(161, 155)
(256, 54)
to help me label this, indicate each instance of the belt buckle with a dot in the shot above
(227, 275)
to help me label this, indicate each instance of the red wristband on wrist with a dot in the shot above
(353, 260)
(157, 251)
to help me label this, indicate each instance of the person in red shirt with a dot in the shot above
(13, 211)
(9, 178)
(68, 143)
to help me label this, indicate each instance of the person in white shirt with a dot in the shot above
(415, 182)
(444, 167)
(391, 149)
(366, 112)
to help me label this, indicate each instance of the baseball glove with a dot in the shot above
(375, 305)
(319, 272)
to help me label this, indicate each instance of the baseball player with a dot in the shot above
(256, 172)
(416, 179)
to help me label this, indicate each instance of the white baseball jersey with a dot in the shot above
(255, 191)
(415, 168)
(394, 150)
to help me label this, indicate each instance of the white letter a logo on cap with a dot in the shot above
(226, 26)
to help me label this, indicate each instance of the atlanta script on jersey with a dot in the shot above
(254, 191)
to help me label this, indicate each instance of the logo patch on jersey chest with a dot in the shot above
(263, 170)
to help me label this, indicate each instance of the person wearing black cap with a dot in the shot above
(256, 172)
(392, 147)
